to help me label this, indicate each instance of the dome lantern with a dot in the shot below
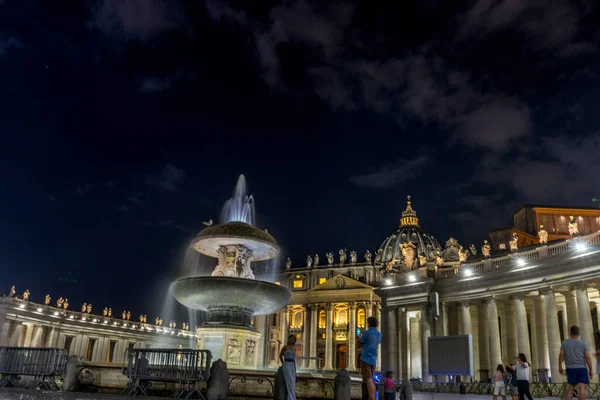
(409, 216)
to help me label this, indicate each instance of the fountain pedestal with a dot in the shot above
(239, 347)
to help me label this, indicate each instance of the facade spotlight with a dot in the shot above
(55, 313)
(39, 310)
(22, 306)
(580, 246)
(468, 272)
(388, 281)
(520, 262)
(412, 278)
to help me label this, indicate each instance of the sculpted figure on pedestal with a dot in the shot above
(84, 307)
(379, 256)
(342, 254)
(26, 295)
(368, 256)
(59, 302)
(89, 308)
(439, 260)
(128, 315)
(110, 312)
(47, 300)
(353, 257)
(66, 304)
(309, 261)
(450, 252)
(543, 235)
(473, 249)
(316, 264)
(409, 252)
(288, 263)
(12, 292)
(329, 258)
(486, 249)
(573, 228)
(514, 242)
(124, 315)
(463, 254)
(422, 259)
(105, 312)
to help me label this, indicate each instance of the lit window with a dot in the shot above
(322, 280)
(322, 319)
(298, 284)
(361, 318)
(341, 318)
(323, 336)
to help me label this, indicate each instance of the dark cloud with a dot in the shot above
(390, 175)
(135, 19)
(8, 42)
(169, 179)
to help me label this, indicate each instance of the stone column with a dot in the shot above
(523, 345)
(494, 329)
(28, 335)
(425, 333)
(465, 316)
(484, 341)
(553, 331)
(305, 336)
(314, 326)
(543, 357)
(329, 338)
(512, 347)
(403, 344)
(285, 321)
(572, 314)
(352, 337)
(391, 340)
(585, 317)
(368, 311)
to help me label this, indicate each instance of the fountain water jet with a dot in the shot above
(231, 295)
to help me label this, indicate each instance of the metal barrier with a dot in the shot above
(44, 364)
(186, 367)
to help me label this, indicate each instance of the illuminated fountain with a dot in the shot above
(231, 295)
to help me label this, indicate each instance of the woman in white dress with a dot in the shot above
(287, 356)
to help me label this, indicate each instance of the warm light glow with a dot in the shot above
(468, 272)
(55, 312)
(322, 280)
(412, 278)
(115, 324)
(298, 284)
(388, 281)
(278, 283)
(520, 262)
(22, 306)
(39, 310)
(95, 320)
(580, 246)
(71, 317)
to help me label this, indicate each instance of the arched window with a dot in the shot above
(298, 319)
(322, 319)
(361, 318)
(342, 317)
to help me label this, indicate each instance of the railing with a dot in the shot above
(186, 367)
(513, 259)
(44, 364)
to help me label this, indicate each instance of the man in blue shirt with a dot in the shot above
(369, 341)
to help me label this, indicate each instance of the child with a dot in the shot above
(390, 387)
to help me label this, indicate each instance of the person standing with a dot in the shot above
(522, 369)
(499, 383)
(287, 356)
(369, 343)
(576, 355)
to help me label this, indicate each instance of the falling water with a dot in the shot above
(240, 207)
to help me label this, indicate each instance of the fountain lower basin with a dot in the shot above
(230, 301)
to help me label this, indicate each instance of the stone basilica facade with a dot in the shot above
(510, 298)
(518, 293)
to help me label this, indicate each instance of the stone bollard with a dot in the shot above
(405, 391)
(279, 390)
(342, 388)
(70, 379)
(218, 383)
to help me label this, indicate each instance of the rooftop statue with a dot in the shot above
(208, 223)
(439, 260)
(316, 263)
(105, 312)
(342, 254)
(378, 256)
(409, 252)
(47, 300)
(84, 307)
(486, 249)
(110, 312)
(59, 302)
(543, 235)
(128, 315)
(573, 228)
(368, 257)
(473, 249)
(330, 259)
(89, 308)
(309, 261)
(450, 252)
(388, 255)
(124, 315)
(422, 260)
(463, 254)
(66, 304)
(353, 257)
(12, 292)
(288, 263)
(514, 242)
(26, 295)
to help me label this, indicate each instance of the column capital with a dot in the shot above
(352, 305)
(465, 303)
(329, 306)
(581, 285)
(368, 304)
(314, 306)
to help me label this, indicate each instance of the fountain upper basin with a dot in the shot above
(206, 293)
(262, 244)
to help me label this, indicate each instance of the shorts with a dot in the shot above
(576, 376)
(366, 371)
(512, 390)
(499, 389)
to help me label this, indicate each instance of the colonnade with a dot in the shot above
(503, 327)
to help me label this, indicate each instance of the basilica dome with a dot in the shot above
(408, 242)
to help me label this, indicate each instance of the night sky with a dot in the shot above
(124, 125)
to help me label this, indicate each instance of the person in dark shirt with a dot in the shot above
(369, 341)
